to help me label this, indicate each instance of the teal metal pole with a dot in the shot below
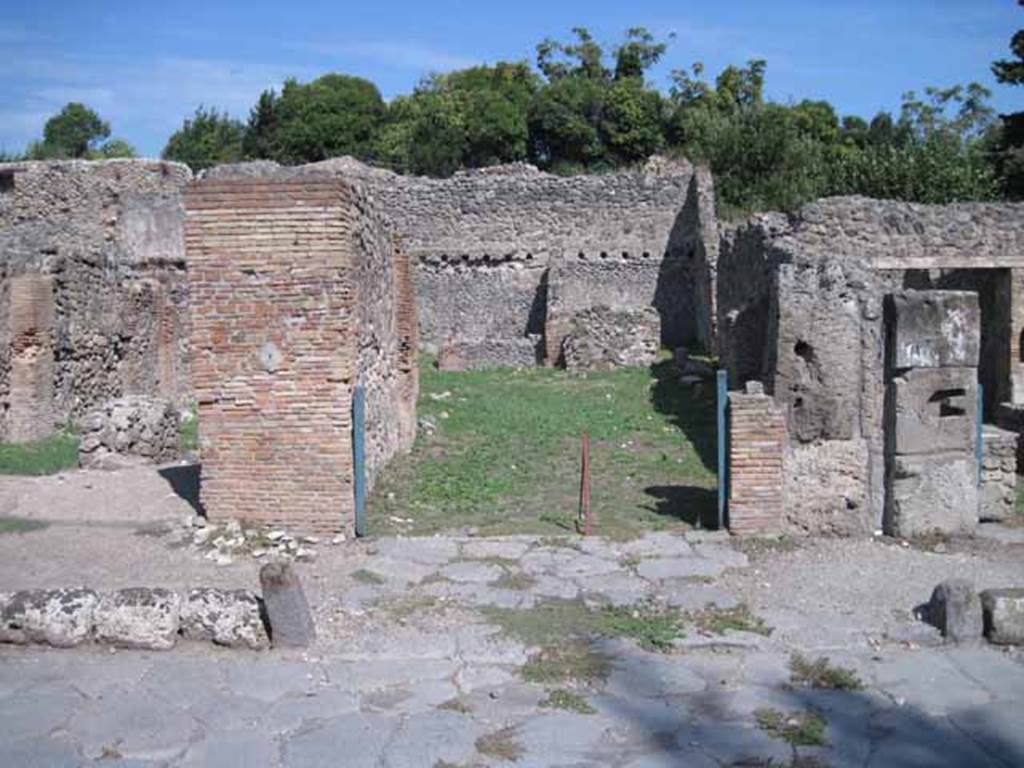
(979, 438)
(722, 379)
(359, 457)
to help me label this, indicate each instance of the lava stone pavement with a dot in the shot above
(413, 669)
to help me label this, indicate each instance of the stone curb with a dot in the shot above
(138, 617)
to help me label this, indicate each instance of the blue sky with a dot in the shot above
(145, 65)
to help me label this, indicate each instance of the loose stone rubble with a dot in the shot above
(136, 427)
(1004, 615)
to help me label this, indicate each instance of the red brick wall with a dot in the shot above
(757, 439)
(274, 345)
(30, 402)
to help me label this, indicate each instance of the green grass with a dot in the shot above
(717, 621)
(552, 623)
(801, 729)
(570, 662)
(364, 576)
(43, 457)
(188, 431)
(567, 700)
(505, 455)
(20, 525)
(819, 673)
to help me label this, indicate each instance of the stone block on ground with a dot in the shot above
(1003, 611)
(933, 494)
(129, 429)
(602, 338)
(291, 623)
(139, 617)
(956, 610)
(59, 617)
(228, 617)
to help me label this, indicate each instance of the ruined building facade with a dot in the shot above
(802, 309)
(299, 283)
(93, 294)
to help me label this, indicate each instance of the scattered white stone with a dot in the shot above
(276, 535)
(339, 539)
(311, 539)
(222, 559)
(233, 527)
(261, 552)
(305, 554)
(201, 535)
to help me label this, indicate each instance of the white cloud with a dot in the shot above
(409, 56)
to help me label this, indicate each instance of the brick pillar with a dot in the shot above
(757, 439)
(274, 348)
(31, 413)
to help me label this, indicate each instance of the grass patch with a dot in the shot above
(502, 745)
(552, 622)
(801, 729)
(42, 457)
(568, 700)
(188, 431)
(572, 662)
(717, 621)
(20, 525)
(455, 705)
(364, 576)
(403, 607)
(818, 673)
(507, 457)
(516, 581)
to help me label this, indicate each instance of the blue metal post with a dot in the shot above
(979, 438)
(359, 457)
(723, 442)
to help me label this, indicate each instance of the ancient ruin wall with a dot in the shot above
(107, 238)
(484, 240)
(799, 306)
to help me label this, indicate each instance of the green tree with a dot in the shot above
(114, 148)
(1008, 142)
(71, 133)
(469, 118)
(333, 115)
(589, 115)
(206, 139)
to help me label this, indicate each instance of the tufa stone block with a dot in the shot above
(62, 618)
(291, 623)
(228, 617)
(936, 410)
(932, 494)
(935, 329)
(138, 617)
(1003, 614)
(956, 610)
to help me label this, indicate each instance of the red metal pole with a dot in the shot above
(585, 488)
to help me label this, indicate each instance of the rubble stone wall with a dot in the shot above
(106, 238)
(484, 242)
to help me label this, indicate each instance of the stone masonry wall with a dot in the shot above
(107, 238)
(275, 332)
(484, 241)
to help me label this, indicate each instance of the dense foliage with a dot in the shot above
(585, 107)
(77, 132)
(206, 139)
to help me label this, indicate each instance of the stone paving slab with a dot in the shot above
(414, 672)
